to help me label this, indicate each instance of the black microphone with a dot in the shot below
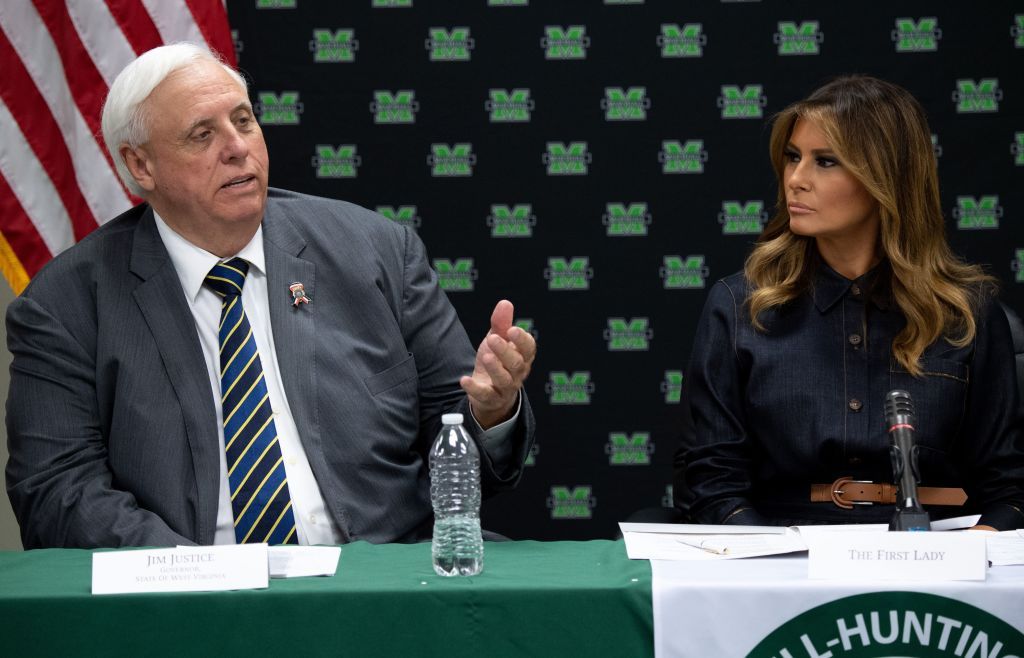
(899, 417)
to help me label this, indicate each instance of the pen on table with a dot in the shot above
(701, 546)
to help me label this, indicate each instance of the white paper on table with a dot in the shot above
(956, 523)
(1005, 547)
(649, 541)
(811, 532)
(298, 561)
(701, 529)
(688, 541)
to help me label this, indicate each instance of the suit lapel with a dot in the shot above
(295, 340)
(294, 327)
(163, 305)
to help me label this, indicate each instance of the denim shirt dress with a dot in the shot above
(802, 402)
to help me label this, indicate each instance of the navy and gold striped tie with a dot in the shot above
(259, 487)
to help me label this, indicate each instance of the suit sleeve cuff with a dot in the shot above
(731, 511)
(1003, 516)
(495, 440)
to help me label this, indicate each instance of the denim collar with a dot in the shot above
(829, 286)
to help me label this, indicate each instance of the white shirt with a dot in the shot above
(313, 524)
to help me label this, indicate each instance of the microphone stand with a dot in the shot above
(899, 416)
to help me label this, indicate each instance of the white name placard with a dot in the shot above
(298, 561)
(183, 569)
(897, 556)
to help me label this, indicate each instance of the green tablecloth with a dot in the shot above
(533, 599)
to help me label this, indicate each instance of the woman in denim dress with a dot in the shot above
(852, 291)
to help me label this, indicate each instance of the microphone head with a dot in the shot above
(899, 409)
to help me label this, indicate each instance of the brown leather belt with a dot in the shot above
(847, 492)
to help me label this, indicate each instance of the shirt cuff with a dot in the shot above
(1003, 516)
(495, 440)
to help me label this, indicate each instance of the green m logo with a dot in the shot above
(1017, 149)
(1017, 31)
(679, 158)
(567, 159)
(672, 386)
(509, 106)
(333, 47)
(974, 214)
(629, 449)
(341, 162)
(390, 4)
(276, 4)
(919, 36)
(632, 336)
(455, 277)
(573, 274)
(686, 41)
(746, 103)
(1017, 265)
(802, 39)
(454, 160)
(453, 46)
(575, 503)
(742, 219)
(526, 324)
(563, 388)
(625, 105)
(982, 96)
(677, 273)
(400, 107)
(623, 220)
(531, 458)
(568, 43)
(283, 110)
(404, 215)
(511, 221)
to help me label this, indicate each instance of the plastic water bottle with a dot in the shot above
(458, 548)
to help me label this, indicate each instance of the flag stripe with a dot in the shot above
(58, 59)
(212, 21)
(53, 124)
(103, 37)
(87, 85)
(174, 21)
(136, 25)
(28, 108)
(45, 61)
(20, 235)
(89, 90)
(32, 186)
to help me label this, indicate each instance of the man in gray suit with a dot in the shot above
(115, 415)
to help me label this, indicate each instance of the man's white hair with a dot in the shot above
(125, 115)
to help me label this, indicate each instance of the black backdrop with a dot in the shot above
(601, 164)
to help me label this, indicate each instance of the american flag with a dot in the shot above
(58, 58)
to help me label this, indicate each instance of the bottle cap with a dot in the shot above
(451, 419)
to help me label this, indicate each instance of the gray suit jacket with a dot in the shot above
(110, 418)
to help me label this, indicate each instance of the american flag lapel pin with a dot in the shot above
(298, 294)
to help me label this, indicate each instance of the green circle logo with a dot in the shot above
(893, 625)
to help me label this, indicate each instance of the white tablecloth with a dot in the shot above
(727, 608)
